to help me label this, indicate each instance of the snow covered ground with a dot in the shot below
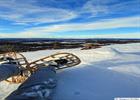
(105, 73)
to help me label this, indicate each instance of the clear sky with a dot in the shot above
(69, 18)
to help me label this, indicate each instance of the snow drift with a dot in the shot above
(105, 73)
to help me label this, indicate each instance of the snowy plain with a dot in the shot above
(104, 73)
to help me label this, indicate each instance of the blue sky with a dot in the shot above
(69, 18)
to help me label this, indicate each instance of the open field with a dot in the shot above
(105, 73)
